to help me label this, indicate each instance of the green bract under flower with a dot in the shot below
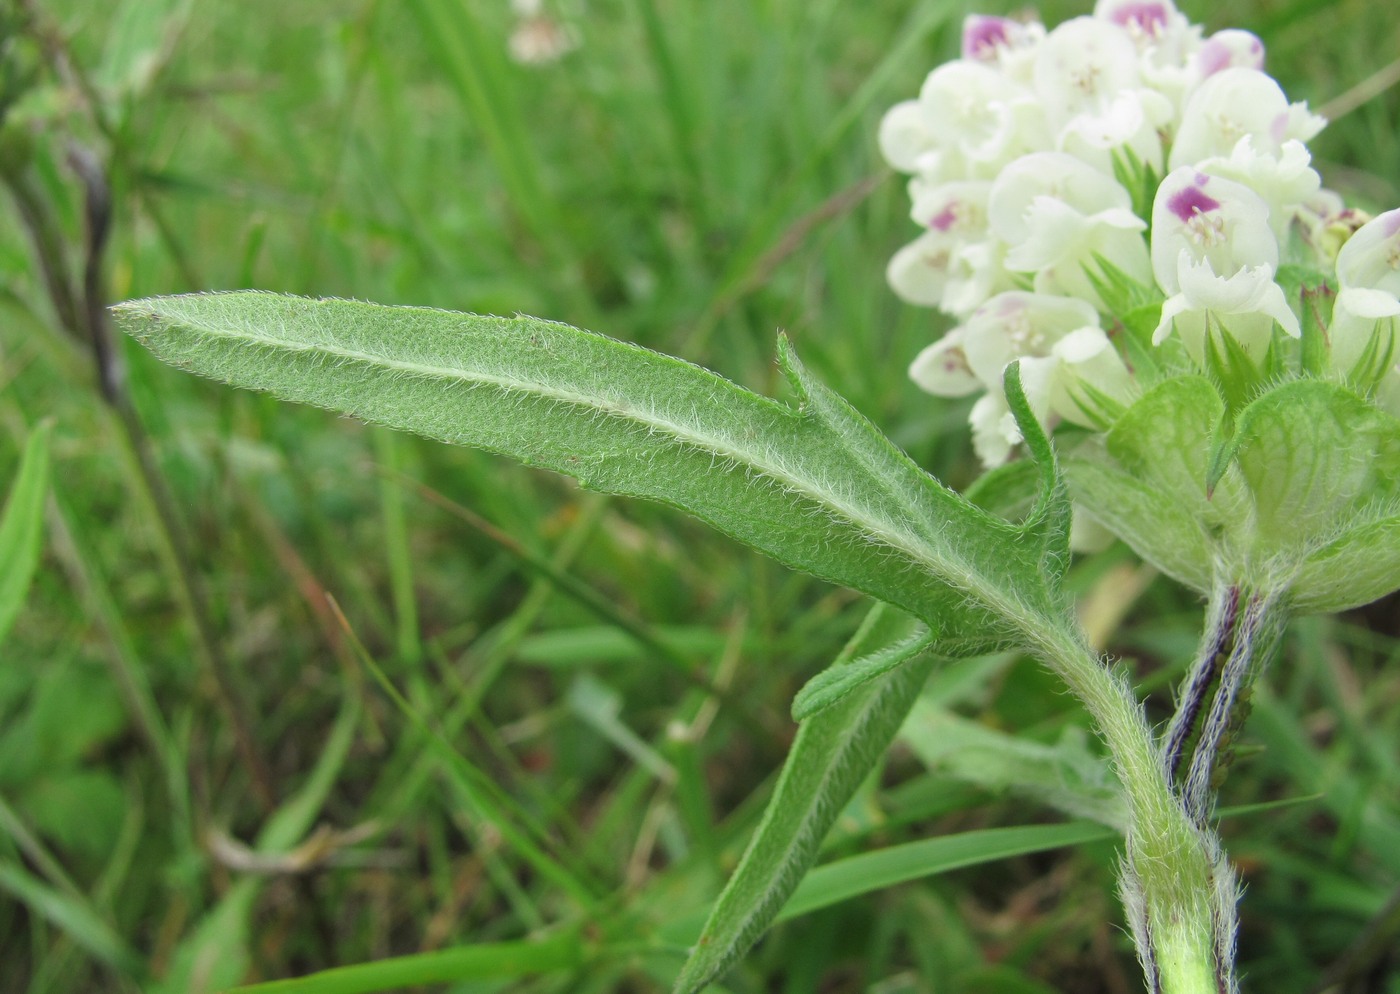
(1128, 207)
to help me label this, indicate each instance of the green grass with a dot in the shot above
(589, 696)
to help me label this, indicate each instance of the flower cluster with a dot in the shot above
(1052, 168)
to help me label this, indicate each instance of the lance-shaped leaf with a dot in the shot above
(817, 488)
(835, 682)
(834, 751)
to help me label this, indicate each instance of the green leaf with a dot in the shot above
(1314, 455)
(1049, 521)
(881, 868)
(1357, 568)
(1008, 491)
(21, 527)
(833, 753)
(1067, 775)
(73, 915)
(1159, 529)
(1148, 484)
(817, 488)
(498, 959)
(835, 682)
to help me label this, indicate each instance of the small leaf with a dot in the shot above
(1009, 491)
(1157, 527)
(1067, 775)
(833, 753)
(1234, 371)
(1049, 520)
(1360, 566)
(21, 527)
(835, 682)
(1314, 456)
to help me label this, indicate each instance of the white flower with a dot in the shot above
(1148, 22)
(942, 368)
(1212, 219)
(957, 210)
(987, 118)
(1064, 383)
(1082, 65)
(1244, 304)
(907, 138)
(1061, 348)
(1001, 42)
(1132, 122)
(936, 270)
(1229, 49)
(1165, 40)
(1214, 252)
(1285, 181)
(1233, 103)
(918, 273)
(1057, 214)
(953, 266)
(1017, 324)
(994, 430)
(1367, 309)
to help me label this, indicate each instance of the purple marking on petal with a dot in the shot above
(1390, 223)
(1229, 49)
(945, 218)
(1278, 128)
(982, 36)
(1190, 201)
(1213, 57)
(1149, 17)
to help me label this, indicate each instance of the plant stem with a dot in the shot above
(1178, 890)
(1222, 615)
(1257, 630)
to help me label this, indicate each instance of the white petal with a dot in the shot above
(992, 436)
(906, 134)
(1208, 218)
(942, 368)
(1371, 257)
(918, 273)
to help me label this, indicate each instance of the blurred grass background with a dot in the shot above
(594, 691)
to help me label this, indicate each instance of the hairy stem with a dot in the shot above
(1222, 615)
(1176, 885)
(1257, 633)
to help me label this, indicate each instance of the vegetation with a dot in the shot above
(286, 693)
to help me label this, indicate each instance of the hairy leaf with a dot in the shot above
(834, 752)
(817, 488)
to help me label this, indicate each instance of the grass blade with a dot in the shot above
(74, 916)
(500, 959)
(21, 527)
(883, 868)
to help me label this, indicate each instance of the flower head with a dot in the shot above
(1041, 160)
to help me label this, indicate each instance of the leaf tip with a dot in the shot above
(792, 367)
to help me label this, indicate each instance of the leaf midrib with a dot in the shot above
(950, 568)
